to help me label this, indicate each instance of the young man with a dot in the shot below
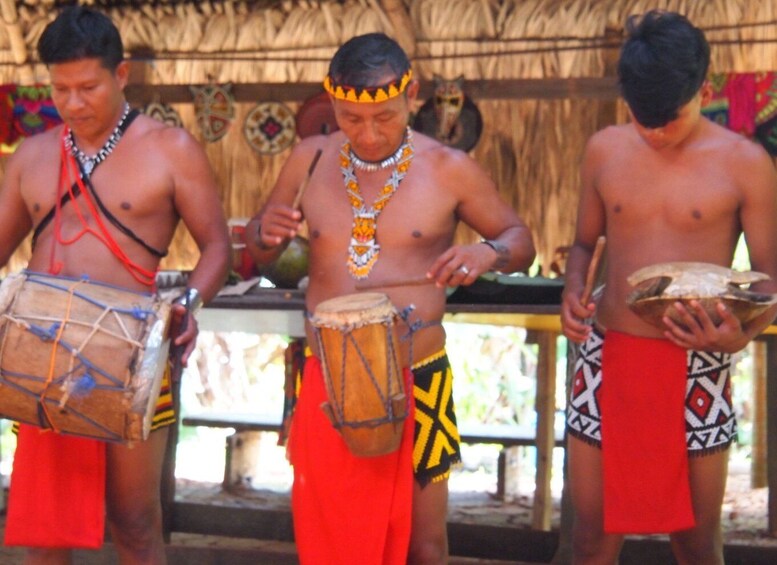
(668, 186)
(382, 206)
(147, 176)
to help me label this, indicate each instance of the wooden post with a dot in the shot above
(771, 430)
(546, 437)
(758, 478)
(167, 490)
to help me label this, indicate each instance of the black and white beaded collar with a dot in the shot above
(89, 163)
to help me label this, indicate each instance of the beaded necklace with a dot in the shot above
(372, 166)
(89, 163)
(363, 249)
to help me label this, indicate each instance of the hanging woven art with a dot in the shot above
(214, 108)
(766, 111)
(162, 112)
(269, 127)
(33, 110)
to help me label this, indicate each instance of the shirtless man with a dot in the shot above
(149, 179)
(411, 239)
(668, 186)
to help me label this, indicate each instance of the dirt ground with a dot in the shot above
(745, 521)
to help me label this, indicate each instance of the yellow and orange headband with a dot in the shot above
(369, 94)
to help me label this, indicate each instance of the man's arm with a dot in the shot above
(15, 220)
(753, 171)
(270, 230)
(590, 225)
(507, 241)
(198, 203)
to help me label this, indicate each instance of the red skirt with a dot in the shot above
(347, 510)
(644, 452)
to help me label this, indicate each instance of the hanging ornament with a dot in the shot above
(450, 116)
(269, 127)
(33, 111)
(162, 112)
(214, 108)
(316, 116)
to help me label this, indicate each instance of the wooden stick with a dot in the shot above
(593, 266)
(369, 285)
(306, 180)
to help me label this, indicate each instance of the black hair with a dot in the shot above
(80, 32)
(365, 60)
(662, 66)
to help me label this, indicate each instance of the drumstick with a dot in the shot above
(304, 185)
(592, 268)
(369, 285)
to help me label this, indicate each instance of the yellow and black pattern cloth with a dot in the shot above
(164, 414)
(436, 442)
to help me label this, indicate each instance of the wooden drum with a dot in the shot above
(81, 357)
(359, 348)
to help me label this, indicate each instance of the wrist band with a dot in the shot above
(191, 300)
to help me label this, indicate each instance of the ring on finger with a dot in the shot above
(464, 269)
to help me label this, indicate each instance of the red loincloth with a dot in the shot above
(57, 494)
(347, 510)
(644, 452)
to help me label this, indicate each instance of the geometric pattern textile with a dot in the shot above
(710, 421)
(436, 440)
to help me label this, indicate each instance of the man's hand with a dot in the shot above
(573, 315)
(279, 223)
(184, 329)
(461, 265)
(698, 332)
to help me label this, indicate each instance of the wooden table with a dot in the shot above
(282, 312)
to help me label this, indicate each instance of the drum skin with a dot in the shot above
(363, 375)
(81, 357)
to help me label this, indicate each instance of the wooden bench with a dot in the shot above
(505, 435)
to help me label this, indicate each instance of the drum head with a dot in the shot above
(353, 310)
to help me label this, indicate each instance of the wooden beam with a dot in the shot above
(598, 88)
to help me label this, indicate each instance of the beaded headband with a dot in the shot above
(369, 93)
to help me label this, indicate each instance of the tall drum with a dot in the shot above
(359, 348)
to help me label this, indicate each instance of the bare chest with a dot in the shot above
(411, 213)
(681, 196)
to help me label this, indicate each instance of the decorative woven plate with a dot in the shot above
(269, 127)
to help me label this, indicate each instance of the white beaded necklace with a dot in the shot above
(363, 249)
(89, 163)
(372, 166)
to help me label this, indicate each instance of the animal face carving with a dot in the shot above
(448, 102)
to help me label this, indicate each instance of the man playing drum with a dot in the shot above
(147, 177)
(382, 207)
(650, 417)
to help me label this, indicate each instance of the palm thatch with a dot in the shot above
(532, 147)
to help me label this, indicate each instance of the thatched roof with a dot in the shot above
(531, 146)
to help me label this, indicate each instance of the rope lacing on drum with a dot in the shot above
(43, 413)
(413, 327)
(392, 367)
(51, 329)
